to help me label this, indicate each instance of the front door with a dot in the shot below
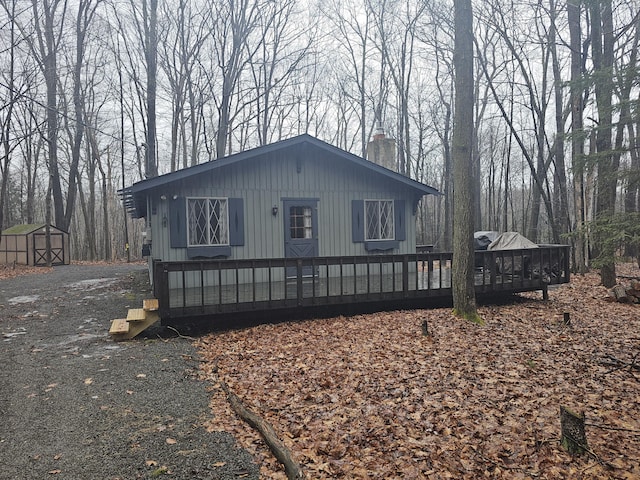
(300, 231)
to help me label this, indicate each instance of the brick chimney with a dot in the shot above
(382, 150)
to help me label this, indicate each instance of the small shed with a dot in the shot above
(27, 245)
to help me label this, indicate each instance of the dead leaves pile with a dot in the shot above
(371, 397)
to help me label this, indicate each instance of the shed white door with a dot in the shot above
(300, 231)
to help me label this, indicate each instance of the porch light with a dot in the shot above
(274, 210)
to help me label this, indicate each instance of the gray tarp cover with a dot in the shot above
(512, 241)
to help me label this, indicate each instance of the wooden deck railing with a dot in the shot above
(210, 287)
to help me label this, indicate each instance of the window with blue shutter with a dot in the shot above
(207, 226)
(178, 223)
(380, 224)
(357, 221)
(236, 222)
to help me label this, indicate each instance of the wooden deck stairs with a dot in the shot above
(138, 320)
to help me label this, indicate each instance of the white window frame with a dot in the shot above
(380, 229)
(224, 241)
(307, 227)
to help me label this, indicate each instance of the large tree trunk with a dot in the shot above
(464, 298)
(152, 71)
(577, 133)
(602, 38)
(561, 202)
(50, 67)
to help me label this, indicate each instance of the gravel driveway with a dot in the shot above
(76, 405)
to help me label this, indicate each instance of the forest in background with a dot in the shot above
(98, 94)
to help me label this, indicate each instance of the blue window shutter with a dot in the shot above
(236, 221)
(178, 223)
(357, 221)
(400, 220)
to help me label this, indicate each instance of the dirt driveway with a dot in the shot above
(76, 405)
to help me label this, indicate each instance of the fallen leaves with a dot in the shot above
(370, 396)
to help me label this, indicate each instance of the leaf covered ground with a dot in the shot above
(370, 396)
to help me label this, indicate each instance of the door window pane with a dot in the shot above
(300, 221)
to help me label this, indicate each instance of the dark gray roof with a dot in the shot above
(134, 196)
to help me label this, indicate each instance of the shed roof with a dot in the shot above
(26, 229)
(134, 196)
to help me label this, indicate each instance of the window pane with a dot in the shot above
(198, 222)
(208, 221)
(379, 217)
(373, 220)
(386, 220)
(218, 231)
(300, 222)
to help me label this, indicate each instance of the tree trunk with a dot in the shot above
(152, 71)
(464, 298)
(577, 133)
(602, 47)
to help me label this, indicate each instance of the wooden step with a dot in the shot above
(150, 304)
(138, 320)
(137, 327)
(136, 315)
(119, 326)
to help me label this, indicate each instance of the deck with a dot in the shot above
(225, 289)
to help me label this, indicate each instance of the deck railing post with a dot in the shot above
(493, 268)
(405, 275)
(299, 291)
(161, 287)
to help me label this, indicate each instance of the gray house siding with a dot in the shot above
(335, 188)
(258, 184)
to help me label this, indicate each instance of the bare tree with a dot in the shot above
(48, 23)
(145, 19)
(462, 280)
(84, 18)
(354, 23)
(187, 31)
(235, 22)
(7, 112)
(535, 100)
(577, 131)
(396, 39)
(602, 54)
(281, 52)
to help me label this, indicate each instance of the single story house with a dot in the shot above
(299, 197)
(299, 225)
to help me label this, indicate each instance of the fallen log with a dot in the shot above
(279, 449)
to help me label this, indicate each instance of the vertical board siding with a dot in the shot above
(262, 183)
